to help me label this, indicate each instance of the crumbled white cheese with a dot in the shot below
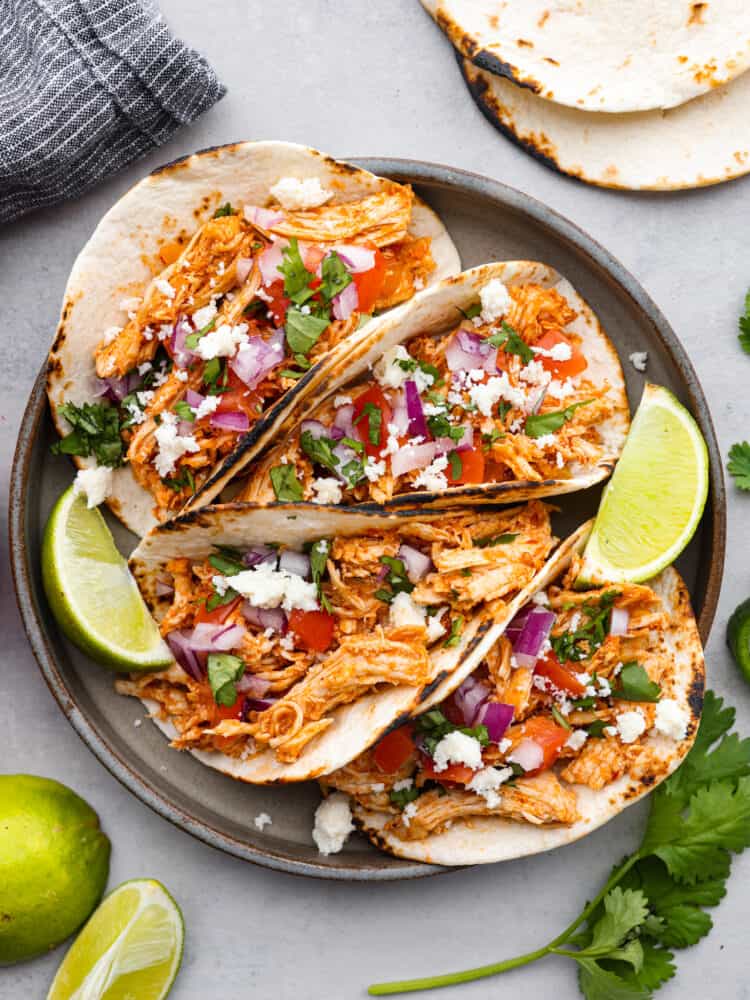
(403, 784)
(165, 288)
(377, 787)
(671, 720)
(546, 441)
(639, 360)
(495, 299)
(147, 333)
(560, 390)
(145, 367)
(576, 739)
(180, 374)
(630, 725)
(326, 490)
(207, 406)
(130, 304)
(144, 397)
(222, 342)
(261, 820)
(295, 193)
(422, 379)
(605, 688)
(408, 813)
(171, 446)
(287, 642)
(558, 352)
(388, 372)
(487, 781)
(333, 823)
(341, 401)
(504, 745)
(164, 331)
(374, 469)
(433, 478)
(435, 627)
(485, 395)
(95, 484)
(266, 587)
(540, 597)
(201, 317)
(110, 334)
(403, 612)
(534, 373)
(457, 748)
(610, 730)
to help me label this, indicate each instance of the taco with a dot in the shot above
(586, 703)
(302, 633)
(209, 296)
(496, 384)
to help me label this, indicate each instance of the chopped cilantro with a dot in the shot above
(489, 439)
(227, 561)
(470, 311)
(353, 472)
(490, 541)
(185, 481)
(396, 577)
(560, 718)
(374, 421)
(192, 339)
(403, 796)
(454, 638)
(433, 726)
(440, 426)
(334, 276)
(456, 464)
(96, 431)
(354, 445)
(320, 450)
(634, 684)
(587, 638)
(319, 552)
(296, 276)
(223, 670)
(225, 209)
(303, 331)
(286, 487)
(539, 424)
(217, 600)
(215, 377)
(184, 411)
(511, 343)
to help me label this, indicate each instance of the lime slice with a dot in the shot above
(652, 504)
(93, 596)
(131, 947)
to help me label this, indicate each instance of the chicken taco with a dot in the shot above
(208, 297)
(496, 384)
(302, 633)
(588, 701)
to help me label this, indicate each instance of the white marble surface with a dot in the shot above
(376, 77)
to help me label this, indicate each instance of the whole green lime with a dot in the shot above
(54, 863)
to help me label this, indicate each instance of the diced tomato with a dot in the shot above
(374, 395)
(219, 615)
(314, 629)
(574, 365)
(394, 749)
(454, 774)
(312, 256)
(279, 302)
(229, 711)
(472, 467)
(238, 397)
(560, 676)
(370, 284)
(546, 733)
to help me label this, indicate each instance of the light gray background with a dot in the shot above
(375, 77)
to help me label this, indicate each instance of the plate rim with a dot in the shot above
(416, 171)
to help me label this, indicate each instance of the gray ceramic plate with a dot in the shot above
(488, 221)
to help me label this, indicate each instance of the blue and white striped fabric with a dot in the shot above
(87, 86)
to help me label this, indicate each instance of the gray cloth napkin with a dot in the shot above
(86, 87)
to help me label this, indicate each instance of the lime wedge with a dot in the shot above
(131, 947)
(652, 504)
(93, 596)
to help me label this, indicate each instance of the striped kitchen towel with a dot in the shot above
(86, 87)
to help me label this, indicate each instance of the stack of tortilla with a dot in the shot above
(648, 95)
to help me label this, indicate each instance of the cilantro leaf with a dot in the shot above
(303, 331)
(511, 343)
(539, 424)
(457, 464)
(223, 670)
(470, 311)
(657, 968)
(397, 577)
(286, 487)
(374, 421)
(227, 562)
(440, 426)
(217, 600)
(334, 276)
(320, 450)
(403, 796)
(225, 209)
(96, 431)
(296, 276)
(192, 339)
(489, 541)
(624, 911)
(739, 465)
(598, 984)
(582, 643)
(635, 684)
(744, 325)
(433, 726)
(184, 411)
(319, 553)
(454, 638)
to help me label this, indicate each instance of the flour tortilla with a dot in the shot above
(704, 142)
(175, 199)
(437, 310)
(486, 839)
(357, 725)
(603, 55)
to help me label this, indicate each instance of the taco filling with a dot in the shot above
(505, 396)
(567, 697)
(240, 311)
(270, 641)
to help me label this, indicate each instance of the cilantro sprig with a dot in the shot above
(540, 424)
(739, 465)
(744, 325)
(95, 431)
(592, 629)
(511, 343)
(655, 900)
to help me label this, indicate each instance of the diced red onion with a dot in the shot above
(260, 554)
(417, 422)
(356, 258)
(335, 433)
(345, 302)
(215, 638)
(230, 420)
(297, 563)
(468, 351)
(256, 705)
(163, 589)
(315, 428)
(184, 428)
(343, 419)
(265, 617)
(400, 417)
(533, 404)
(263, 217)
(193, 398)
(469, 698)
(412, 456)
(518, 621)
(187, 657)
(257, 357)
(252, 685)
(447, 444)
(496, 716)
(416, 563)
(619, 621)
(344, 454)
(528, 754)
(181, 354)
(244, 267)
(533, 635)
(270, 260)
